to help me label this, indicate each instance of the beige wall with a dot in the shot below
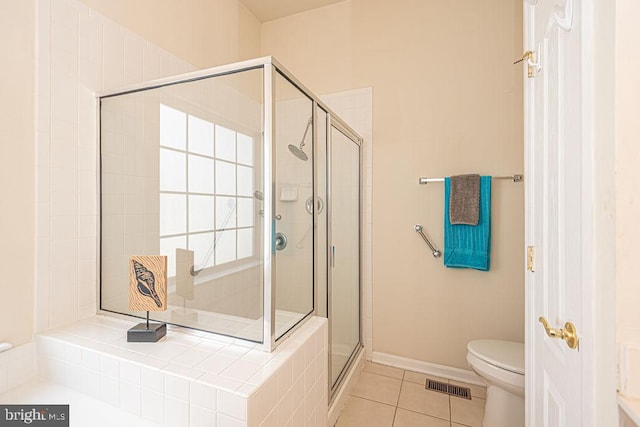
(17, 170)
(447, 100)
(627, 159)
(204, 33)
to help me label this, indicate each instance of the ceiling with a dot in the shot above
(268, 10)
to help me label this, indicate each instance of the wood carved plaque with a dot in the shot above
(148, 283)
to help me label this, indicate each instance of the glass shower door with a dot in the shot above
(344, 256)
(292, 217)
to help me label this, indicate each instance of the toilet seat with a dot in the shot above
(500, 364)
(507, 355)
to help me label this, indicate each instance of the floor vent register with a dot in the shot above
(452, 390)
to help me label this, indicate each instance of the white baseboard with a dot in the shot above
(456, 374)
(340, 400)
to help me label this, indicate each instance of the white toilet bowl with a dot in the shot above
(501, 366)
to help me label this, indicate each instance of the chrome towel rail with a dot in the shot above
(435, 252)
(515, 178)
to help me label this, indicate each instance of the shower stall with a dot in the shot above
(250, 185)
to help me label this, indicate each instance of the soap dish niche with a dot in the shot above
(288, 194)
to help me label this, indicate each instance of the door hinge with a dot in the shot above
(528, 58)
(530, 255)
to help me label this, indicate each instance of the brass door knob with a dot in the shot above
(568, 333)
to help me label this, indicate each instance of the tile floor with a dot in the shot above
(385, 396)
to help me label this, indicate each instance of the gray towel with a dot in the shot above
(464, 203)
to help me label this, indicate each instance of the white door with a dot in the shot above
(558, 209)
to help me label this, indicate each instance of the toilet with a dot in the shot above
(501, 366)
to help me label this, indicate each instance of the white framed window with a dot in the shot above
(207, 179)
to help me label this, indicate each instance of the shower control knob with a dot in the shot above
(280, 241)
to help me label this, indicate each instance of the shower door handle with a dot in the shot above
(333, 256)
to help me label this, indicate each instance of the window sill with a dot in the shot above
(208, 276)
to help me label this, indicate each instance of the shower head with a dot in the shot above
(298, 150)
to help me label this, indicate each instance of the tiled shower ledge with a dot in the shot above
(192, 378)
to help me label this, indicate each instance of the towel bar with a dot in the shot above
(435, 252)
(515, 178)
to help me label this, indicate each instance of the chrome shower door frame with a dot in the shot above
(270, 67)
(335, 122)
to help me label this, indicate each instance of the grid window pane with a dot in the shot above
(225, 212)
(225, 178)
(201, 177)
(200, 136)
(245, 243)
(245, 212)
(168, 247)
(174, 171)
(173, 126)
(202, 246)
(200, 213)
(245, 149)
(225, 246)
(225, 144)
(173, 214)
(245, 181)
(214, 165)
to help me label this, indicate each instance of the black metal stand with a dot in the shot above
(147, 332)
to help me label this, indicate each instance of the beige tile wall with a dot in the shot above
(17, 366)
(81, 52)
(203, 33)
(191, 379)
(17, 171)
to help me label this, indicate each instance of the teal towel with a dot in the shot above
(468, 246)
